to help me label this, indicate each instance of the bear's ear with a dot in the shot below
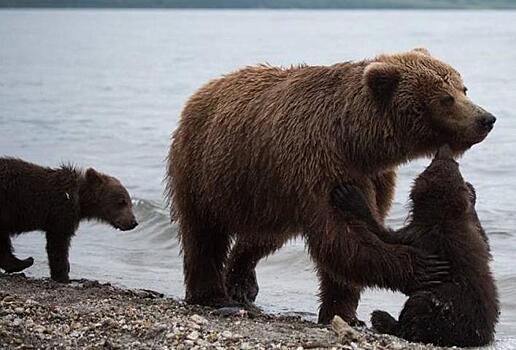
(382, 79)
(422, 51)
(92, 176)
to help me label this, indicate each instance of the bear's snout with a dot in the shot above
(133, 224)
(487, 121)
(127, 226)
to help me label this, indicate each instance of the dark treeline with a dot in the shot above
(280, 4)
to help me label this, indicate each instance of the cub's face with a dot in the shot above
(113, 202)
(440, 192)
(432, 97)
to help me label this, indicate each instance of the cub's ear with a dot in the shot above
(422, 51)
(93, 176)
(382, 79)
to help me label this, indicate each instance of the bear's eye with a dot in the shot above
(447, 101)
(122, 202)
(465, 90)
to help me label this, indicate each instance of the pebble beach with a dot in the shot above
(42, 314)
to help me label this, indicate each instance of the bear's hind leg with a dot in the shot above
(205, 249)
(337, 299)
(241, 281)
(8, 262)
(384, 323)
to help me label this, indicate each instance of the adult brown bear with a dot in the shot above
(258, 151)
(462, 311)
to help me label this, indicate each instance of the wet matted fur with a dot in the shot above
(462, 311)
(257, 152)
(33, 197)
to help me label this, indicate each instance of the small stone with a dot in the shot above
(227, 334)
(9, 299)
(19, 310)
(16, 322)
(170, 335)
(193, 325)
(193, 335)
(198, 319)
(212, 337)
(344, 330)
(202, 343)
(39, 329)
(245, 346)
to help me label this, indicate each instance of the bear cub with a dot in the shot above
(56, 201)
(462, 311)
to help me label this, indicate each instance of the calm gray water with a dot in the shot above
(105, 89)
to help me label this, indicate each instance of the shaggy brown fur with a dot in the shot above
(258, 151)
(55, 201)
(462, 312)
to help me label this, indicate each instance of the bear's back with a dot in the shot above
(30, 195)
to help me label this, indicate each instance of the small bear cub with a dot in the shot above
(33, 198)
(462, 311)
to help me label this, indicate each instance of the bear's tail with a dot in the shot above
(383, 322)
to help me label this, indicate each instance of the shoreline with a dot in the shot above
(39, 314)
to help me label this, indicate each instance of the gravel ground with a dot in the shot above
(41, 314)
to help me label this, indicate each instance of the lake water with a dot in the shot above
(105, 88)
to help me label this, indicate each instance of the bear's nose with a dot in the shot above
(487, 121)
(133, 224)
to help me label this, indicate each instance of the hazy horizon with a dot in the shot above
(264, 4)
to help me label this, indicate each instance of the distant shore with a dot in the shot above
(263, 4)
(39, 314)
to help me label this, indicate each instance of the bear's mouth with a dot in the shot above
(127, 227)
(481, 135)
(461, 144)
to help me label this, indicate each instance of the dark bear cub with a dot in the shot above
(464, 310)
(56, 201)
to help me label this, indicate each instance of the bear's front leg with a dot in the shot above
(58, 245)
